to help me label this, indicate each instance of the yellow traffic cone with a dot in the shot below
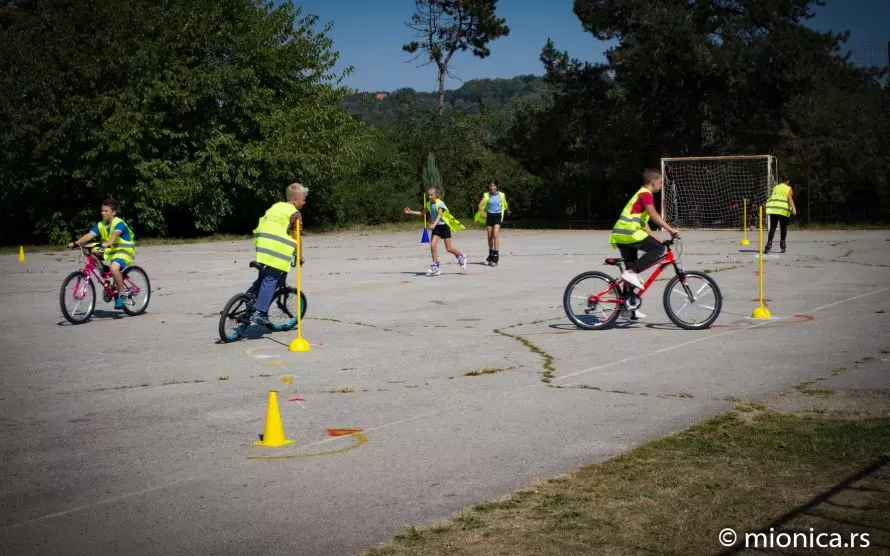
(273, 435)
(21, 254)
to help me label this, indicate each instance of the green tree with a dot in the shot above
(194, 115)
(447, 26)
(431, 176)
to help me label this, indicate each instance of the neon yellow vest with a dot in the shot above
(629, 227)
(452, 222)
(778, 202)
(503, 204)
(120, 249)
(274, 247)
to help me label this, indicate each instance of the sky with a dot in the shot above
(370, 35)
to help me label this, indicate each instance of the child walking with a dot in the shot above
(441, 226)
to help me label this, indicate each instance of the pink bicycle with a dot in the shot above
(78, 295)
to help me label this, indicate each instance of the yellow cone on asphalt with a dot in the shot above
(273, 435)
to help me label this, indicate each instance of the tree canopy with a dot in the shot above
(196, 116)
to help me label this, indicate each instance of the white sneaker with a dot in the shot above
(632, 278)
(462, 261)
(433, 270)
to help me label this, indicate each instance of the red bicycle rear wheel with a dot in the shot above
(593, 301)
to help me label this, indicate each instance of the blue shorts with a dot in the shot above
(120, 262)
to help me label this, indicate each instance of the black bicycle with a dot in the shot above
(235, 317)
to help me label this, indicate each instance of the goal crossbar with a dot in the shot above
(710, 192)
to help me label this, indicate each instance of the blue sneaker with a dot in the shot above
(260, 318)
(119, 301)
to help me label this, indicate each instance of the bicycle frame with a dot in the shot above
(92, 270)
(666, 260)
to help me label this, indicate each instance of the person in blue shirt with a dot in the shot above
(493, 206)
(117, 240)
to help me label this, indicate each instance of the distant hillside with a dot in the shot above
(477, 96)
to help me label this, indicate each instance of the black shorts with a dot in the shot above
(443, 232)
(493, 219)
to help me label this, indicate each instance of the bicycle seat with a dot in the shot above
(614, 261)
(254, 264)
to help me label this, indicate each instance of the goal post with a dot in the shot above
(709, 192)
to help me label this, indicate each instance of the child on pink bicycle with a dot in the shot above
(117, 240)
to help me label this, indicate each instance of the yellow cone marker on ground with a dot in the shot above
(21, 254)
(273, 434)
(745, 224)
(761, 312)
(299, 343)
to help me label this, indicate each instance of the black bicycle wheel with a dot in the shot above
(283, 311)
(77, 297)
(693, 302)
(136, 278)
(235, 317)
(592, 301)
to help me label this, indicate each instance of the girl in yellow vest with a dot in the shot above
(493, 206)
(118, 241)
(441, 226)
(779, 207)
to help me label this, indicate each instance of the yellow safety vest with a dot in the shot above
(778, 202)
(503, 204)
(274, 247)
(120, 249)
(629, 227)
(452, 222)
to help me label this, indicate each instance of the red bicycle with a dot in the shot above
(78, 294)
(593, 300)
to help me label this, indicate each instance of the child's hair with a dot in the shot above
(110, 203)
(436, 189)
(650, 175)
(495, 182)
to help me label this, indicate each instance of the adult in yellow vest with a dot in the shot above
(493, 205)
(118, 241)
(631, 233)
(442, 223)
(779, 207)
(276, 247)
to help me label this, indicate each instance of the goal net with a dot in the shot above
(709, 192)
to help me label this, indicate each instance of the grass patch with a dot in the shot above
(673, 495)
(549, 370)
(748, 407)
(177, 381)
(342, 390)
(484, 371)
(807, 389)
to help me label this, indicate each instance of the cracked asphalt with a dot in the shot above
(132, 434)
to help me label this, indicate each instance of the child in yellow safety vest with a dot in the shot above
(492, 208)
(442, 223)
(779, 207)
(118, 242)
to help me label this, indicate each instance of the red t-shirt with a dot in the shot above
(644, 200)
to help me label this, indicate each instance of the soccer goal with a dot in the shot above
(709, 192)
